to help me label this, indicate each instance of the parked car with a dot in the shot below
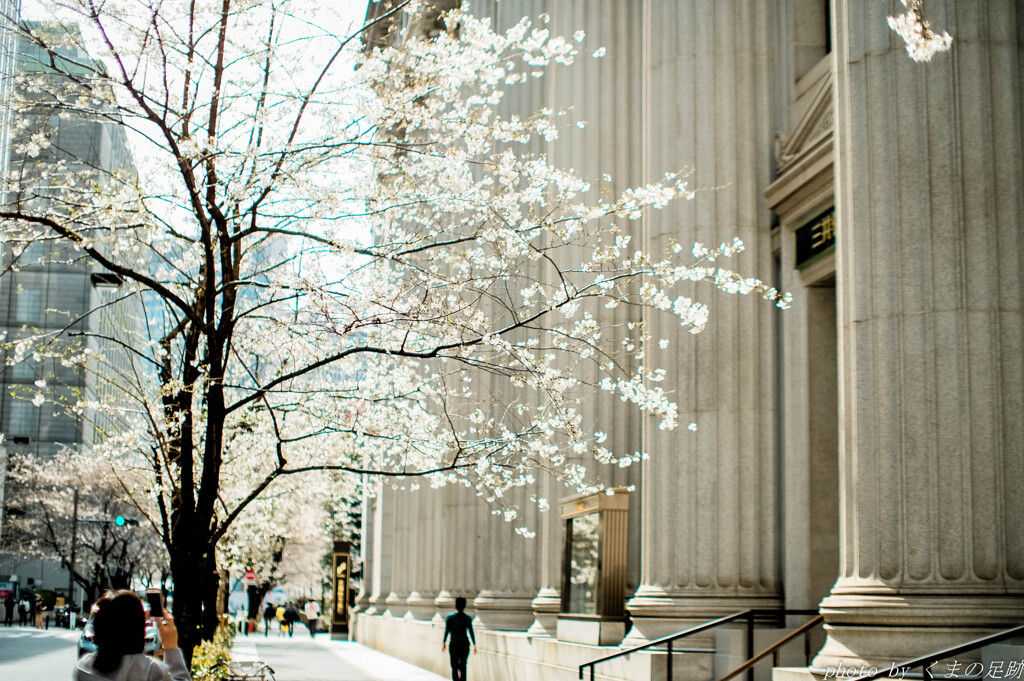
(86, 644)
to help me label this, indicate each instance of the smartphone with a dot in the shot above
(156, 602)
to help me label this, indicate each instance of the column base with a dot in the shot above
(546, 607)
(656, 613)
(397, 606)
(362, 602)
(378, 605)
(422, 606)
(503, 612)
(877, 630)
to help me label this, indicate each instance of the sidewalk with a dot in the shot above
(301, 658)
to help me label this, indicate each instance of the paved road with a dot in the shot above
(37, 655)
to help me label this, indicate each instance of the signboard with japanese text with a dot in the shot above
(815, 238)
(342, 571)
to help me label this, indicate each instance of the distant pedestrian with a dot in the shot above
(312, 610)
(459, 626)
(24, 608)
(291, 616)
(9, 606)
(282, 624)
(268, 616)
(36, 613)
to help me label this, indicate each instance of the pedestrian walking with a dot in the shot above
(291, 616)
(282, 624)
(268, 616)
(459, 626)
(24, 607)
(9, 606)
(119, 630)
(36, 613)
(312, 610)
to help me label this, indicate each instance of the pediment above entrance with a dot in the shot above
(813, 130)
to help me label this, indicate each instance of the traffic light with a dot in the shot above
(121, 521)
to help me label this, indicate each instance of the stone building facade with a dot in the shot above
(861, 454)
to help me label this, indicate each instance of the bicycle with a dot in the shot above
(246, 670)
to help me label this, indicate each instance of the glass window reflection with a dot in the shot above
(583, 563)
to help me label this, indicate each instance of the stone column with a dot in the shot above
(402, 559)
(382, 506)
(930, 262)
(709, 535)
(426, 543)
(459, 546)
(511, 580)
(368, 553)
(548, 601)
(606, 94)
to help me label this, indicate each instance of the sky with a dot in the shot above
(344, 16)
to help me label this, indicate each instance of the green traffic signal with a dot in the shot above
(119, 521)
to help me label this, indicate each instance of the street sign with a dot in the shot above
(250, 577)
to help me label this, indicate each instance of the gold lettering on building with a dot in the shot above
(824, 231)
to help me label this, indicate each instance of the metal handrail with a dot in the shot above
(926, 661)
(773, 649)
(748, 615)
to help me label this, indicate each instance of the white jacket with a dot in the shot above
(137, 668)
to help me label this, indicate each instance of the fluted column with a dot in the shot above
(709, 537)
(402, 553)
(605, 93)
(460, 546)
(511, 581)
(548, 601)
(929, 267)
(426, 541)
(368, 552)
(383, 510)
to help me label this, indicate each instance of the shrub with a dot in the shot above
(208, 653)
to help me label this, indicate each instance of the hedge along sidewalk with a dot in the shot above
(209, 653)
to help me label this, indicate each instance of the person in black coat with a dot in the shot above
(459, 626)
(291, 616)
(269, 613)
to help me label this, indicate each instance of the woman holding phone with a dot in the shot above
(120, 635)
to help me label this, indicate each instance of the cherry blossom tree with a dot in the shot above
(320, 260)
(916, 31)
(65, 509)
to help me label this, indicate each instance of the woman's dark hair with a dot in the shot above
(119, 629)
(460, 603)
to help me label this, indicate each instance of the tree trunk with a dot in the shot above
(211, 590)
(190, 572)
